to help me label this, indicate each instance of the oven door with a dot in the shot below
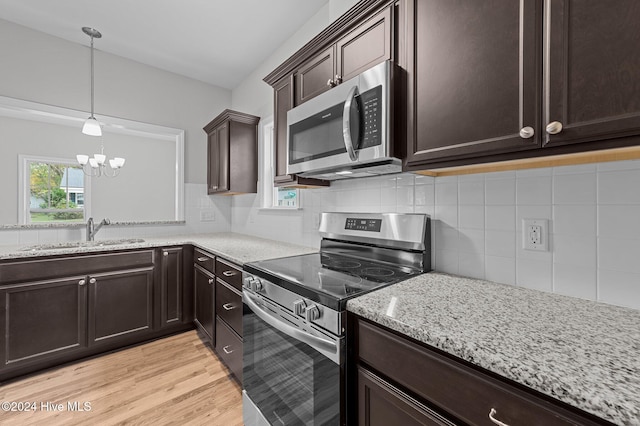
(288, 374)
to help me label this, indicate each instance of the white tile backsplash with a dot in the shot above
(533, 190)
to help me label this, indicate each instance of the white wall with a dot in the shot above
(41, 68)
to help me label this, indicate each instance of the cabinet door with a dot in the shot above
(42, 320)
(218, 159)
(380, 403)
(474, 80)
(204, 302)
(229, 348)
(366, 46)
(315, 76)
(283, 102)
(171, 287)
(120, 304)
(593, 65)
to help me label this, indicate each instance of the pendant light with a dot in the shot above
(91, 126)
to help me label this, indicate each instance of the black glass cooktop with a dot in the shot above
(329, 279)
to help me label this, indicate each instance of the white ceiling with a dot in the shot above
(215, 41)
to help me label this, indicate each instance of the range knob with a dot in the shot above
(256, 284)
(312, 313)
(246, 282)
(299, 306)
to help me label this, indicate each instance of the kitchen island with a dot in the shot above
(583, 353)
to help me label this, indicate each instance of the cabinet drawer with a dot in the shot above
(41, 269)
(229, 306)
(229, 348)
(204, 259)
(229, 273)
(455, 388)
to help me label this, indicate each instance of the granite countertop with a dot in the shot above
(583, 353)
(238, 248)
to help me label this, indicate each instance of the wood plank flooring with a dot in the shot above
(176, 380)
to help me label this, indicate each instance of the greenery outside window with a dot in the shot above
(52, 191)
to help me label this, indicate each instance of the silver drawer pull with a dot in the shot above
(492, 417)
(229, 273)
(93, 281)
(228, 306)
(82, 282)
(203, 259)
(227, 351)
(166, 253)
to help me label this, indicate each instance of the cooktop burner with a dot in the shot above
(329, 279)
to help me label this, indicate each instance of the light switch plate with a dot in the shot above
(535, 234)
(207, 216)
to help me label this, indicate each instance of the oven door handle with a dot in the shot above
(325, 347)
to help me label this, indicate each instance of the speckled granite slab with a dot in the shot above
(237, 248)
(584, 353)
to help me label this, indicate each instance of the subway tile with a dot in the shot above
(574, 219)
(446, 193)
(500, 218)
(619, 288)
(471, 241)
(575, 281)
(500, 243)
(388, 196)
(447, 179)
(471, 265)
(405, 179)
(500, 191)
(404, 196)
(619, 254)
(8, 237)
(533, 190)
(447, 215)
(533, 212)
(471, 216)
(510, 174)
(428, 209)
(446, 237)
(447, 261)
(619, 221)
(619, 187)
(500, 269)
(471, 177)
(575, 189)
(424, 195)
(618, 165)
(575, 250)
(534, 274)
(424, 180)
(47, 236)
(471, 192)
(578, 168)
(540, 171)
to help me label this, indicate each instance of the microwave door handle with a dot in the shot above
(346, 123)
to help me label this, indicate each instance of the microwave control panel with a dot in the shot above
(371, 225)
(371, 102)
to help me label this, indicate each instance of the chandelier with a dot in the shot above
(96, 165)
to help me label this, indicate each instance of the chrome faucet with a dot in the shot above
(93, 229)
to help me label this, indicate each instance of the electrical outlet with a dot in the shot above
(535, 234)
(207, 216)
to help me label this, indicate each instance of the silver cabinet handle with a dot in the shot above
(554, 127)
(331, 83)
(527, 132)
(226, 350)
(229, 273)
(338, 79)
(93, 281)
(203, 259)
(166, 253)
(82, 282)
(228, 306)
(492, 417)
(346, 123)
(210, 280)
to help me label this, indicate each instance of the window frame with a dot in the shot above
(24, 187)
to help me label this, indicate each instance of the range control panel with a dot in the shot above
(371, 225)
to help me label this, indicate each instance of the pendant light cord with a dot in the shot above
(92, 77)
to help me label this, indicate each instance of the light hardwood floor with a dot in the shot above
(173, 381)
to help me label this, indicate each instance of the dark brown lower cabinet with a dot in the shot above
(395, 377)
(120, 304)
(42, 320)
(172, 286)
(204, 283)
(229, 348)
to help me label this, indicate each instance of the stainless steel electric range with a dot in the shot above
(294, 313)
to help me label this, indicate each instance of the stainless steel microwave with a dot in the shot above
(346, 131)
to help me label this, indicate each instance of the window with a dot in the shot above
(273, 197)
(52, 191)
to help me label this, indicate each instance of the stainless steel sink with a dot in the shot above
(80, 244)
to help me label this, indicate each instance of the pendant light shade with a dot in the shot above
(91, 126)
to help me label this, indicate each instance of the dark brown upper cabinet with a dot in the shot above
(495, 80)
(361, 38)
(232, 153)
(593, 71)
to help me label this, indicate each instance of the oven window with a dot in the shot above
(290, 382)
(317, 136)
